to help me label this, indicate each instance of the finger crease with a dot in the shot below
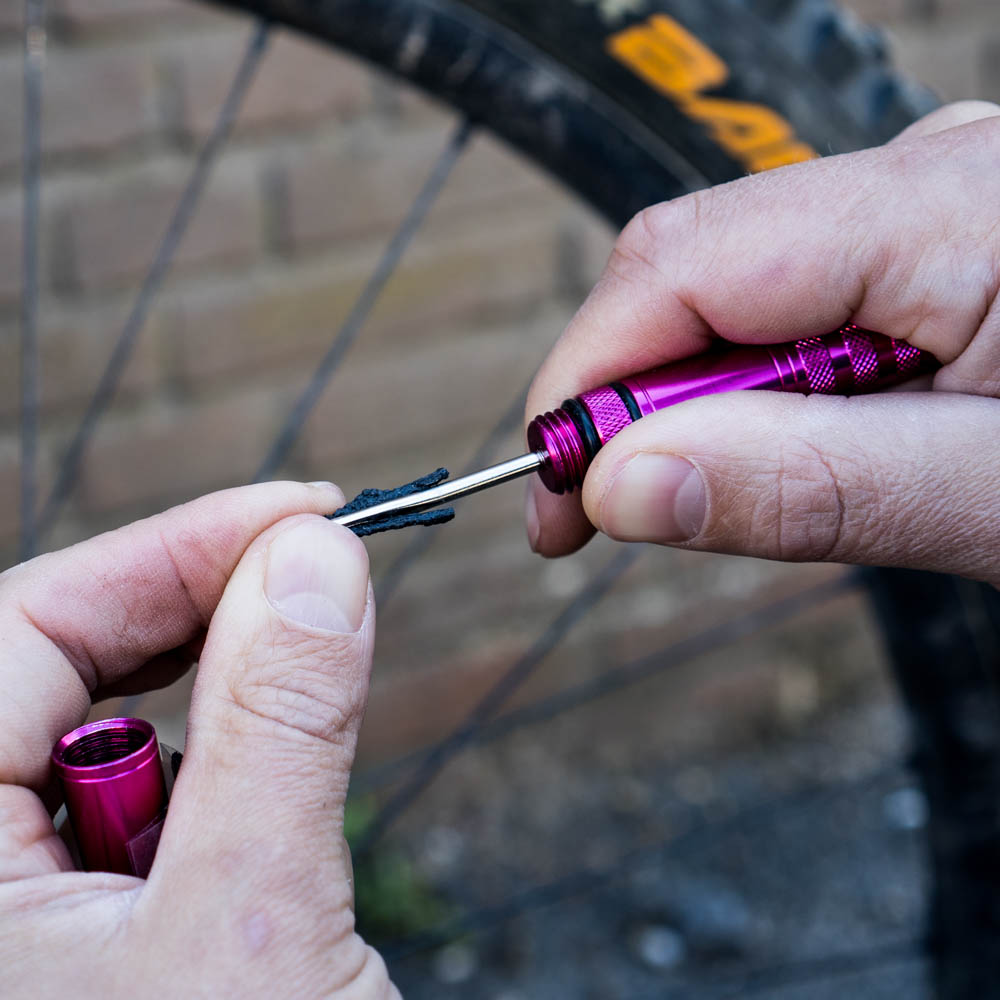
(202, 618)
(838, 531)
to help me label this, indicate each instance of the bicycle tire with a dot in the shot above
(544, 78)
(541, 77)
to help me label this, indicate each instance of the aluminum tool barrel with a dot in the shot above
(848, 361)
(115, 792)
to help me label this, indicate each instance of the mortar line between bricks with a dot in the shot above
(366, 301)
(184, 212)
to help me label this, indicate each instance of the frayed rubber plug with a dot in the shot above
(392, 522)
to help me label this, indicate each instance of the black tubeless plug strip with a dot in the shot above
(426, 518)
(391, 522)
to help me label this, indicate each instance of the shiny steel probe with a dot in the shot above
(436, 496)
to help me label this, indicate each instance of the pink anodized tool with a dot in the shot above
(115, 791)
(564, 442)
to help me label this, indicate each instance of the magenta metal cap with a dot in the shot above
(115, 793)
(555, 435)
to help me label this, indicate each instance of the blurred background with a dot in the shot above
(573, 796)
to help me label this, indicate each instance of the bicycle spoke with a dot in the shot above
(677, 654)
(698, 838)
(421, 542)
(136, 320)
(34, 62)
(515, 676)
(672, 656)
(366, 301)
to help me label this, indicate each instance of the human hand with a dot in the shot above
(903, 239)
(250, 893)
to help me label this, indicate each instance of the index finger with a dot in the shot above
(894, 239)
(86, 617)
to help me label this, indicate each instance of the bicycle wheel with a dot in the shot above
(633, 103)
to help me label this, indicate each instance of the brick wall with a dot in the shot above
(325, 158)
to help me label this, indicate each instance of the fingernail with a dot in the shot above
(317, 575)
(531, 521)
(655, 498)
(333, 488)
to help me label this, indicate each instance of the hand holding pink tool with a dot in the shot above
(564, 442)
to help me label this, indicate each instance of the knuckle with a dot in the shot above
(810, 504)
(635, 255)
(642, 250)
(796, 506)
(300, 687)
(830, 503)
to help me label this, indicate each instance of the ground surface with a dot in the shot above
(790, 870)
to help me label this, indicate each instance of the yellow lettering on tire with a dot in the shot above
(668, 57)
(737, 126)
(779, 156)
(671, 60)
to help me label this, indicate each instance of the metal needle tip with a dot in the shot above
(451, 490)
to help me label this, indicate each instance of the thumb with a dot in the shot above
(253, 840)
(902, 479)
(948, 116)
